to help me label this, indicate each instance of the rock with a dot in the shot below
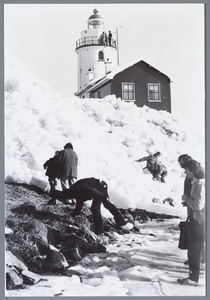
(91, 234)
(70, 273)
(8, 231)
(43, 185)
(127, 227)
(13, 278)
(169, 201)
(75, 248)
(92, 281)
(40, 229)
(56, 260)
(26, 208)
(72, 254)
(17, 272)
(13, 261)
(29, 277)
(156, 200)
(101, 249)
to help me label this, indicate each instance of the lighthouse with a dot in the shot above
(97, 54)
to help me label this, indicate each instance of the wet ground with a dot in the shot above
(147, 263)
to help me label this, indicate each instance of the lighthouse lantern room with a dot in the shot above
(97, 53)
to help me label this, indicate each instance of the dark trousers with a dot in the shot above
(96, 210)
(195, 248)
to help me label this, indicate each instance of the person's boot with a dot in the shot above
(187, 281)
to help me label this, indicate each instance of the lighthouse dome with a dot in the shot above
(95, 20)
(95, 16)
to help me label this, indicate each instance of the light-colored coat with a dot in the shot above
(196, 202)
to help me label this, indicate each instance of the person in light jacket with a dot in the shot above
(196, 215)
(155, 167)
(187, 188)
(67, 166)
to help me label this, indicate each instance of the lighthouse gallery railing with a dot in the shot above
(94, 40)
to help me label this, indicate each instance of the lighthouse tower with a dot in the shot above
(96, 55)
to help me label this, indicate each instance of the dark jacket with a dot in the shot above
(91, 189)
(82, 190)
(51, 166)
(187, 190)
(67, 164)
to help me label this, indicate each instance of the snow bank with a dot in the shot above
(107, 134)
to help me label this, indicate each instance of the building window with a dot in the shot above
(100, 55)
(99, 94)
(128, 91)
(154, 92)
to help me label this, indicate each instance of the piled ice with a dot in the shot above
(108, 135)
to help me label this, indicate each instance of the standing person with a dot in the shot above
(51, 166)
(155, 167)
(103, 38)
(187, 189)
(106, 39)
(187, 186)
(110, 38)
(67, 166)
(196, 214)
(92, 188)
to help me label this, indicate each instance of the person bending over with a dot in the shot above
(97, 191)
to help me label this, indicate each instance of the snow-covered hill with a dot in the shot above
(108, 135)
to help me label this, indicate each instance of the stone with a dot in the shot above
(13, 261)
(13, 278)
(29, 277)
(39, 229)
(156, 200)
(56, 260)
(8, 231)
(92, 281)
(43, 185)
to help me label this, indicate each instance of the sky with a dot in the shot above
(168, 36)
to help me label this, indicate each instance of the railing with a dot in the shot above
(94, 40)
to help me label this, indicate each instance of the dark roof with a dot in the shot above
(96, 16)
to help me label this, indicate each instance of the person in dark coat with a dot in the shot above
(67, 166)
(196, 206)
(87, 189)
(187, 183)
(155, 167)
(51, 166)
(110, 38)
(182, 159)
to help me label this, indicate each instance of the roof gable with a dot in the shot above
(132, 63)
(97, 82)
